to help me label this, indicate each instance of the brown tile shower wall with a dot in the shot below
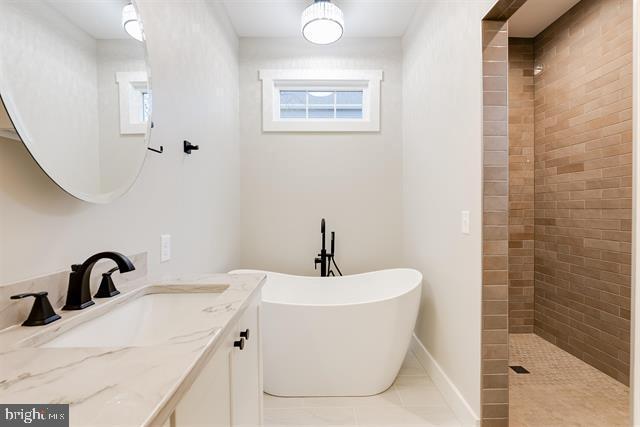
(583, 184)
(521, 185)
(495, 281)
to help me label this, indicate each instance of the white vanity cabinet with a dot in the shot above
(228, 390)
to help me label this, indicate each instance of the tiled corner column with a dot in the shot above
(495, 272)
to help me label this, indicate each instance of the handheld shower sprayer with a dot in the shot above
(333, 242)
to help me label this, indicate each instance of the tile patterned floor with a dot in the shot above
(561, 390)
(413, 400)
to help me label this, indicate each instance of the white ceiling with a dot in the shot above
(536, 15)
(102, 19)
(281, 18)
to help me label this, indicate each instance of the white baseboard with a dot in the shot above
(449, 391)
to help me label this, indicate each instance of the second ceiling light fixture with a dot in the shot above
(322, 22)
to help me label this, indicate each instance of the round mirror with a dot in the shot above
(74, 81)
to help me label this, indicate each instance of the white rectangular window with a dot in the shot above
(321, 101)
(135, 101)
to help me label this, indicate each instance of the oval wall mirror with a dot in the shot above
(75, 83)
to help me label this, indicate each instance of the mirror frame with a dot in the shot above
(102, 198)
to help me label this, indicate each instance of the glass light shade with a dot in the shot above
(322, 22)
(130, 22)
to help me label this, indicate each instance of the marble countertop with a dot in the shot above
(120, 386)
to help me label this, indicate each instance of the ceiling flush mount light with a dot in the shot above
(130, 22)
(322, 22)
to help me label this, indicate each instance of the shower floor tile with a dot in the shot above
(413, 400)
(561, 390)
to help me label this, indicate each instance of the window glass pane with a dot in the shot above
(349, 113)
(353, 98)
(325, 98)
(321, 113)
(321, 104)
(298, 97)
(146, 106)
(293, 113)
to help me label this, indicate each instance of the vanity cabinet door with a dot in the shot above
(246, 370)
(208, 401)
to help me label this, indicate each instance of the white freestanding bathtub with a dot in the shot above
(336, 336)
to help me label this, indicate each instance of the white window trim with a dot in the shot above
(275, 80)
(130, 86)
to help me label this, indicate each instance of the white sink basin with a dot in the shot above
(147, 320)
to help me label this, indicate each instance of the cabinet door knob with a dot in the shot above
(245, 334)
(239, 344)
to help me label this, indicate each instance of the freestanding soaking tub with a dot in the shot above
(336, 336)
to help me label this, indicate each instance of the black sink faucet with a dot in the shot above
(79, 292)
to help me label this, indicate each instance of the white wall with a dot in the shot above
(442, 121)
(194, 198)
(291, 180)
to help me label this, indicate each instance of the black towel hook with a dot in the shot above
(188, 147)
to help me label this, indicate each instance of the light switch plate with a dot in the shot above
(465, 222)
(165, 247)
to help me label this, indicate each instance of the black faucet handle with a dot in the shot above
(42, 312)
(30, 294)
(110, 272)
(107, 288)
